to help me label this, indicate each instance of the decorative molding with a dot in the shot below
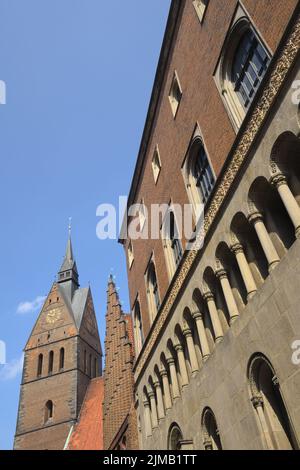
(272, 89)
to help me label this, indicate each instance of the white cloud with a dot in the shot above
(12, 369)
(29, 307)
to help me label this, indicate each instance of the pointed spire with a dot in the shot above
(68, 274)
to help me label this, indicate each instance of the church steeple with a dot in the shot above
(68, 274)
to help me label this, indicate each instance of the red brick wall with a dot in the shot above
(194, 56)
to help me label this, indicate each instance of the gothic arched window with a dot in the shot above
(248, 67)
(242, 65)
(51, 361)
(48, 411)
(171, 242)
(152, 291)
(40, 365)
(61, 359)
(200, 178)
(138, 327)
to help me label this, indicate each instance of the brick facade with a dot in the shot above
(119, 425)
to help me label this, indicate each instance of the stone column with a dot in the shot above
(257, 402)
(287, 197)
(154, 417)
(182, 365)
(267, 245)
(202, 335)
(245, 270)
(228, 295)
(174, 378)
(147, 418)
(159, 398)
(218, 331)
(166, 389)
(191, 348)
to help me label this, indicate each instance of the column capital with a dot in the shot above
(221, 273)
(146, 403)
(208, 296)
(178, 347)
(257, 401)
(170, 360)
(156, 384)
(163, 372)
(151, 394)
(197, 315)
(255, 217)
(237, 248)
(187, 332)
(278, 180)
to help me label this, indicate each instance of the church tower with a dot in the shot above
(62, 355)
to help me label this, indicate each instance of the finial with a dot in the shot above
(70, 226)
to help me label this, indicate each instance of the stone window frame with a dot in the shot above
(175, 94)
(130, 254)
(240, 23)
(156, 164)
(168, 252)
(200, 7)
(153, 311)
(192, 191)
(138, 341)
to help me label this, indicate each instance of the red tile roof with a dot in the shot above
(88, 432)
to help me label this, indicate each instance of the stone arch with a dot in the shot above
(202, 307)
(210, 431)
(175, 437)
(212, 283)
(189, 322)
(272, 416)
(229, 263)
(285, 158)
(242, 233)
(264, 198)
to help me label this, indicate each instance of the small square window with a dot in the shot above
(156, 165)
(175, 94)
(200, 7)
(130, 254)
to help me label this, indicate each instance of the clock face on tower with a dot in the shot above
(53, 315)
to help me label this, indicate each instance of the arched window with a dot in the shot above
(51, 361)
(61, 359)
(171, 242)
(152, 291)
(274, 424)
(138, 328)
(175, 437)
(249, 65)
(48, 411)
(210, 431)
(40, 365)
(200, 178)
(242, 66)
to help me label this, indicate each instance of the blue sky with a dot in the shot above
(79, 74)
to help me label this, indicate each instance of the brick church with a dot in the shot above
(66, 402)
(207, 359)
